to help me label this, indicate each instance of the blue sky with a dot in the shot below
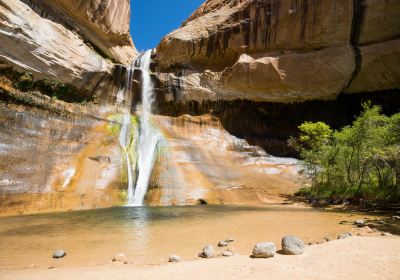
(151, 20)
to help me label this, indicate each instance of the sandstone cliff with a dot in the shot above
(69, 41)
(61, 87)
(284, 50)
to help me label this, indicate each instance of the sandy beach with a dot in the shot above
(351, 258)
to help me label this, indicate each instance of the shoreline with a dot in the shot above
(365, 257)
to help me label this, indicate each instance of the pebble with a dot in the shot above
(222, 244)
(57, 254)
(344, 235)
(207, 252)
(359, 223)
(175, 258)
(227, 253)
(121, 258)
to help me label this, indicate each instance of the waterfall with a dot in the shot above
(124, 141)
(149, 137)
(125, 88)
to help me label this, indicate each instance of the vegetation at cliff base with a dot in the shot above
(360, 162)
(25, 82)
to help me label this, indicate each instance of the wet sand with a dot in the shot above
(352, 258)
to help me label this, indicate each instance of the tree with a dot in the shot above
(358, 161)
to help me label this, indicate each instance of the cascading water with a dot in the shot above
(149, 137)
(124, 141)
(125, 88)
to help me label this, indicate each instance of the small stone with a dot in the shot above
(396, 217)
(327, 239)
(386, 234)
(207, 252)
(222, 244)
(264, 250)
(121, 258)
(344, 235)
(175, 258)
(58, 254)
(359, 223)
(227, 253)
(229, 240)
(367, 229)
(292, 245)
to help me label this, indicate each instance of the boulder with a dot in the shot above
(175, 258)
(59, 254)
(207, 252)
(292, 245)
(264, 250)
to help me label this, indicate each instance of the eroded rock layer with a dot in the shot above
(283, 50)
(56, 155)
(71, 42)
(270, 125)
(63, 88)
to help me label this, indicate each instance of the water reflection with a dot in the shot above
(141, 224)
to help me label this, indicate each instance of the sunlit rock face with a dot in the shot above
(202, 163)
(104, 23)
(57, 156)
(62, 82)
(284, 51)
(69, 41)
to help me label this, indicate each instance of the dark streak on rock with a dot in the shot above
(358, 17)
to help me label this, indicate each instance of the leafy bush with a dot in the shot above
(361, 161)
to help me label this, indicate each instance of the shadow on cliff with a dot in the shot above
(270, 125)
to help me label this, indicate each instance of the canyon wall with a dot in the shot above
(265, 66)
(73, 42)
(231, 84)
(283, 50)
(63, 88)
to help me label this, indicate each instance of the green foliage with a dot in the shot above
(23, 81)
(361, 161)
(58, 90)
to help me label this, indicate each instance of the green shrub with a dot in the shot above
(361, 161)
(23, 81)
